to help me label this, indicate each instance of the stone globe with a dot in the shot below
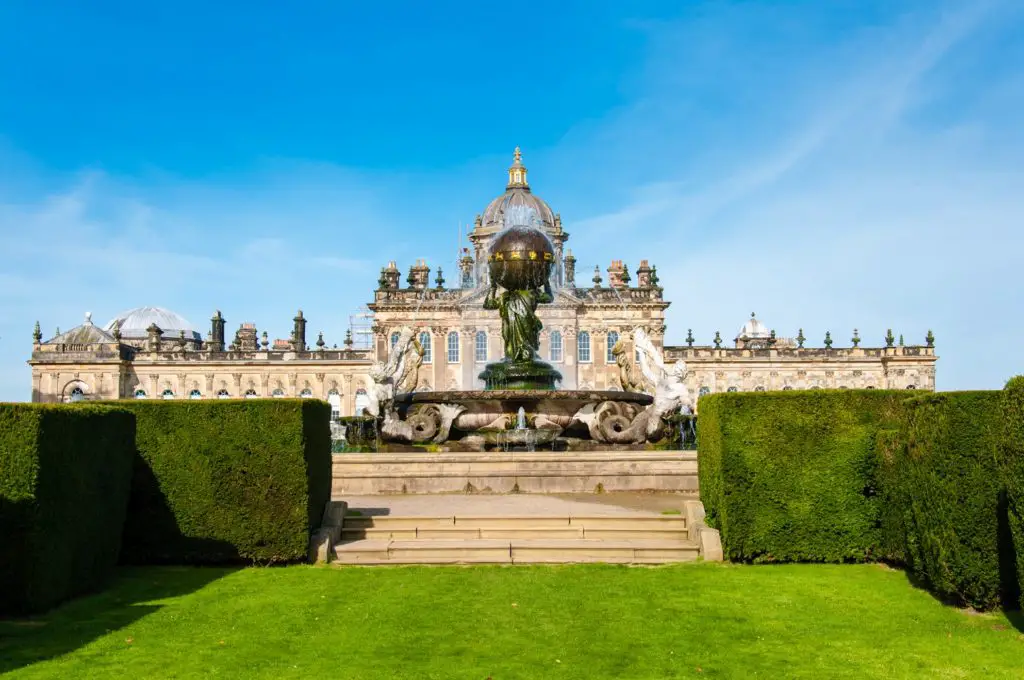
(521, 258)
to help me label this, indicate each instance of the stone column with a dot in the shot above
(495, 345)
(348, 395)
(439, 340)
(570, 364)
(467, 339)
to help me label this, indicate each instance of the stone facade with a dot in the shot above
(153, 353)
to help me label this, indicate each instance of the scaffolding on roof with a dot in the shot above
(360, 325)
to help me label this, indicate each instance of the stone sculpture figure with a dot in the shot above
(520, 263)
(611, 422)
(520, 327)
(400, 373)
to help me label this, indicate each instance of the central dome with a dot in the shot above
(517, 196)
(134, 322)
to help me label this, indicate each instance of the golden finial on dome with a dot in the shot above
(517, 172)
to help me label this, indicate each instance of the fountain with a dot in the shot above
(520, 407)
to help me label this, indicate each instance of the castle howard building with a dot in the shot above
(152, 353)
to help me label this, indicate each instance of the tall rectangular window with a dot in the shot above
(481, 345)
(425, 345)
(583, 346)
(453, 347)
(556, 346)
(609, 356)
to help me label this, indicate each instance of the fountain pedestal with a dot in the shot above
(520, 375)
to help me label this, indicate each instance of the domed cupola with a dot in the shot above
(134, 324)
(517, 195)
(754, 330)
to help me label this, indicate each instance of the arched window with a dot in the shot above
(223, 394)
(843, 387)
(167, 394)
(759, 388)
(250, 393)
(425, 344)
(140, 394)
(334, 399)
(870, 387)
(733, 389)
(583, 346)
(911, 387)
(613, 337)
(556, 345)
(704, 389)
(362, 400)
(453, 347)
(195, 394)
(787, 387)
(278, 393)
(306, 393)
(77, 394)
(481, 345)
(394, 339)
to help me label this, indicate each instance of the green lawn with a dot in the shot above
(694, 620)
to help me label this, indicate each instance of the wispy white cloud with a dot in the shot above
(103, 245)
(855, 214)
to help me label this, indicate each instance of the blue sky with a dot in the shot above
(831, 166)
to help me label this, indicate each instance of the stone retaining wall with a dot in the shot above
(541, 472)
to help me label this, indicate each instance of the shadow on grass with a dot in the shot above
(1010, 586)
(133, 594)
(151, 536)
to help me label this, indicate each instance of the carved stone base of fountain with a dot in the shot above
(520, 375)
(489, 417)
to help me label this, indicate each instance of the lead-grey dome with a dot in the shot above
(134, 322)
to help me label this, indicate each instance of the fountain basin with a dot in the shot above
(545, 409)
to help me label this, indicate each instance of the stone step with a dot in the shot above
(396, 521)
(587, 522)
(532, 550)
(524, 531)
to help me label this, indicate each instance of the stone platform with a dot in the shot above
(357, 474)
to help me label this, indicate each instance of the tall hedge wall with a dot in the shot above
(944, 498)
(65, 473)
(786, 476)
(226, 481)
(1012, 447)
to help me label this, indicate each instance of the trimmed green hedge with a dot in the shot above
(1013, 470)
(227, 481)
(65, 473)
(943, 497)
(934, 482)
(786, 476)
